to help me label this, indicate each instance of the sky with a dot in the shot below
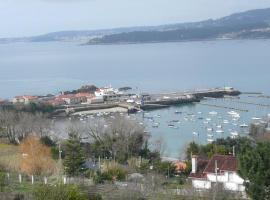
(33, 17)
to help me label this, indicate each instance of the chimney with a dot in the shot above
(194, 162)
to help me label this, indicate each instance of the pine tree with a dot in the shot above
(74, 155)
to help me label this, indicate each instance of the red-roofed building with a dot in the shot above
(219, 169)
(56, 102)
(24, 99)
(84, 96)
(180, 166)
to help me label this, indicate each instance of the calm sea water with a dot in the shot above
(41, 68)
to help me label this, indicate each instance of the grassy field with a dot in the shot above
(9, 157)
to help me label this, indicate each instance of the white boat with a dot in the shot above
(232, 113)
(243, 125)
(219, 126)
(155, 125)
(209, 129)
(210, 140)
(225, 121)
(210, 135)
(256, 118)
(130, 101)
(219, 131)
(195, 133)
(171, 125)
(234, 133)
(213, 113)
(205, 122)
(208, 119)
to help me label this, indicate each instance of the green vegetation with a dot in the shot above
(74, 157)
(58, 192)
(255, 167)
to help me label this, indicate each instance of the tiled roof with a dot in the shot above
(224, 163)
(84, 94)
(200, 169)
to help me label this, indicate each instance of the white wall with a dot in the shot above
(201, 184)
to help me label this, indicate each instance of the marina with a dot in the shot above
(178, 125)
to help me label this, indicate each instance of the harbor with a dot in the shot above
(175, 118)
(132, 103)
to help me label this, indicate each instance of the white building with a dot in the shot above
(219, 169)
(24, 99)
(105, 91)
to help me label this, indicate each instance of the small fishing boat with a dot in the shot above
(219, 131)
(219, 126)
(256, 118)
(195, 133)
(234, 133)
(213, 113)
(178, 112)
(225, 121)
(155, 125)
(243, 125)
(210, 135)
(210, 140)
(171, 125)
(210, 129)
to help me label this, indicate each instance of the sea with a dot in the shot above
(51, 67)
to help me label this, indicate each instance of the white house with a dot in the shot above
(219, 169)
(24, 99)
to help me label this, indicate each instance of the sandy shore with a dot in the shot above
(107, 110)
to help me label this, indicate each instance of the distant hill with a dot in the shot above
(252, 24)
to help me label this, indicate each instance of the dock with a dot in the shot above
(179, 98)
(151, 101)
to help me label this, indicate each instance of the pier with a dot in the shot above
(178, 98)
(150, 101)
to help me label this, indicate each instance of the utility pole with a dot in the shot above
(215, 189)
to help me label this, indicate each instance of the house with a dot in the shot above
(83, 96)
(219, 169)
(3, 102)
(95, 100)
(70, 98)
(24, 99)
(56, 102)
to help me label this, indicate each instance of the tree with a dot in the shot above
(36, 157)
(74, 155)
(18, 125)
(117, 138)
(255, 167)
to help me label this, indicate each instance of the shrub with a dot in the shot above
(58, 192)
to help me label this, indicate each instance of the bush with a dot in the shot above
(114, 174)
(58, 192)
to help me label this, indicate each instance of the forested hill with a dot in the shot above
(252, 24)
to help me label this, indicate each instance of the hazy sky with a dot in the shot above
(32, 17)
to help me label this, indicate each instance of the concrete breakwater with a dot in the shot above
(150, 102)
